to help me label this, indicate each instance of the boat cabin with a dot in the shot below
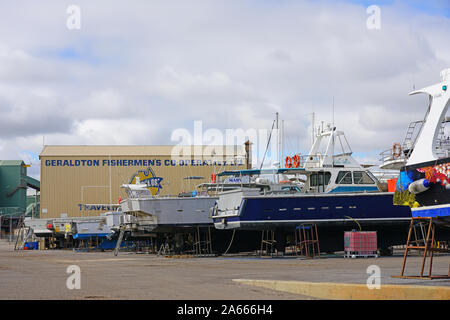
(320, 171)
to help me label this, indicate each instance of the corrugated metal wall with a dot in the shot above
(79, 185)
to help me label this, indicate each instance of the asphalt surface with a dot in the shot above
(42, 274)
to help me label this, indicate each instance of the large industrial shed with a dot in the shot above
(14, 182)
(81, 181)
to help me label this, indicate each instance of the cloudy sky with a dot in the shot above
(135, 71)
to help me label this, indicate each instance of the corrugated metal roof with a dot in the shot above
(77, 150)
(11, 162)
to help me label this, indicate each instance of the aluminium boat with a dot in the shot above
(166, 214)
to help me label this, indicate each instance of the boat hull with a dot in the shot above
(433, 202)
(363, 209)
(170, 214)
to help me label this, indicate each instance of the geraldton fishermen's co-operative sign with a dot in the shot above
(138, 163)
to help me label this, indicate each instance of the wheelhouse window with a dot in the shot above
(361, 177)
(344, 177)
(320, 179)
(291, 189)
(139, 193)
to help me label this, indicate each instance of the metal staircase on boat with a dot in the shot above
(408, 142)
(443, 141)
(442, 145)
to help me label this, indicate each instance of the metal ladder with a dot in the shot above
(441, 131)
(408, 143)
(440, 140)
(21, 225)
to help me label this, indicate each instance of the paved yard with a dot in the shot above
(42, 274)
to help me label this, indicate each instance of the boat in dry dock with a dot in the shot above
(424, 180)
(71, 230)
(165, 214)
(177, 219)
(338, 195)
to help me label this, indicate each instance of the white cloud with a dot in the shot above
(135, 72)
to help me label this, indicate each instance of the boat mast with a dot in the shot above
(282, 143)
(278, 138)
(332, 137)
(278, 144)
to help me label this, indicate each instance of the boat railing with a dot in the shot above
(389, 156)
(443, 139)
(443, 147)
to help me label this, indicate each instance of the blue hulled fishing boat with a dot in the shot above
(337, 194)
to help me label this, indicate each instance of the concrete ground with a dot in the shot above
(42, 274)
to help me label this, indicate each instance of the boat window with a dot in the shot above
(344, 177)
(138, 193)
(370, 174)
(313, 180)
(324, 176)
(320, 179)
(292, 189)
(361, 177)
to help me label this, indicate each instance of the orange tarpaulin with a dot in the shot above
(391, 184)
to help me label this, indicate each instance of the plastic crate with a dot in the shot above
(360, 244)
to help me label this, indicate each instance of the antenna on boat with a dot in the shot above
(332, 137)
(282, 142)
(278, 137)
(267, 147)
(278, 163)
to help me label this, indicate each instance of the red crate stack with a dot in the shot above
(360, 243)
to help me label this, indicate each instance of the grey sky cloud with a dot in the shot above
(135, 72)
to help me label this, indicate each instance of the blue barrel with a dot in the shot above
(36, 245)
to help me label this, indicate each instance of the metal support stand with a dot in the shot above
(164, 250)
(202, 245)
(119, 241)
(307, 240)
(10, 228)
(424, 241)
(267, 242)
